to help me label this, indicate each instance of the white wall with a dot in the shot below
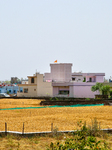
(99, 79)
(82, 92)
(61, 72)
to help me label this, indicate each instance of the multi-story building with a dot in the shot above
(77, 84)
(61, 82)
(35, 87)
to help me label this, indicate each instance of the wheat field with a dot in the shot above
(36, 120)
(12, 103)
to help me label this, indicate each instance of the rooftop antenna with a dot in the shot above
(36, 72)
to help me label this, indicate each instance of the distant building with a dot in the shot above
(68, 84)
(24, 81)
(35, 87)
(61, 82)
(11, 89)
(110, 80)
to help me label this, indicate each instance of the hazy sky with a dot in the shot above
(35, 33)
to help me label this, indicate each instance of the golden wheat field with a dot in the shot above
(36, 120)
(12, 103)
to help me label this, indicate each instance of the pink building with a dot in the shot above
(68, 84)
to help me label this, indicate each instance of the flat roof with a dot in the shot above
(61, 64)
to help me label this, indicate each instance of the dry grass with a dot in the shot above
(19, 143)
(37, 143)
(12, 103)
(36, 120)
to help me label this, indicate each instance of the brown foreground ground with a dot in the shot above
(36, 120)
(40, 143)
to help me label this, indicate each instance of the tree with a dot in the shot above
(7, 81)
(104, 89)
(110, 92)
(96, 87)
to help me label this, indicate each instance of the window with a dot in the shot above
(25, 90)
(21, 89)
(32, 80)
(90, 79)
(9, 91)
(73, 79)
(63, 92)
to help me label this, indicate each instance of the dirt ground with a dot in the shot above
(36, 120)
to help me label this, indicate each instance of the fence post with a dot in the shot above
(5, 128)
(51, 127)
(23, 128)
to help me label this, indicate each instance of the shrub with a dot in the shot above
(54, 98)
(7, 92)
(83, 139)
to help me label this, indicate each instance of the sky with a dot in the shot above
(35, 33)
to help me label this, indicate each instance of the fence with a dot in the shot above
(23, 129)
(53, 131)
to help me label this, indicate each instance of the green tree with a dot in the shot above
(96, 87)
(7, 81)
(105, 90)
(110, 92)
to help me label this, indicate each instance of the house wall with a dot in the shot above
(43, 88)
(76, 89)
(35, 80)
(11, 89)
(96, 77)
(92, 77)
(99, 79)
(32, 90)
(77, 79)
(82, 92)
(48, 76)
(24, 82)
(56, 89)
(61, 72)
(38, 88)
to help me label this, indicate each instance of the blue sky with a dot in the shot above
(35, 33)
